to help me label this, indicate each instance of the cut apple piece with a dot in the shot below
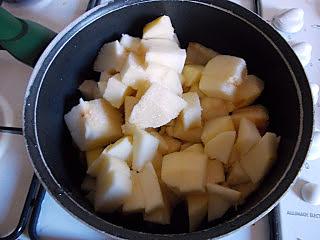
(215, 172)
(151, 188)
(217, 207)
(221, 77)
(213, 107)
(248, 135)
(135, 202)
(88, 184)
(129, 103)
(111, 57)
(167, 54)
(226, 193)
(164, 76)
(248, 91)
(191, 135)
(220, 146)
(113, 186)
(89, 89)
(246, 189)
(132, 72)
(161, 215)
(116, 91)
(157, 163)
(173, 144)
(195, 148)
(191, 114)
(184, 146)
(128, 129)
(163, 145)
(103, 81)
(185, 171)
(130, 43)
(195, 88)
(159, 28)
(92, 155)
(93, 124)
(199, 54)
(142, 87)
(144, 148)
(121, 149)
(191, 74)
(257, 162)
(237, 175)
(157, 107)
(197, 209)
(257, 114)
(216, 126)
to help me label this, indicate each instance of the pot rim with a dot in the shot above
(251, 215)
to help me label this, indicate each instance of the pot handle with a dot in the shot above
(23, 39)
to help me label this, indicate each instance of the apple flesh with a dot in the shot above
(195, 148)
(257, 162)
(159, 28)
(230, 195)
(216, 126)
(191, 135)
(237, 175)
(197, 209)
(221, 77)
(132, 44)
(121, 149)
(191, 74)
(217, 206)
(173, 144)
(215, 172)
(213, 108)
(185, 172)
(191, 114)
(157, 107)
(89, 89)
(92, 155)
(93, 124)
(111, 58)
(199, 54)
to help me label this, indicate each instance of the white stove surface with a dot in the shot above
(15, 169)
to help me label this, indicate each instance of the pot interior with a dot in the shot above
(210, 26)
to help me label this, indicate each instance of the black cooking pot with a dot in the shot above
(221, 25)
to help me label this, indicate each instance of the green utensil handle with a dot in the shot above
(23, 39)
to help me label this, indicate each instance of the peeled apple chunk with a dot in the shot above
(248, 135)
(159, 28)
(92, 155)
(195, 148)
(93, 124)
(192, 135)
(129, 103)
(257, 162)
(130, 43)
(89, 89)
(172, 143)
(157, 163)
(222, 75)
(197, 209)
(111, 57)
(121, 149)
(163, 145)
(248, 91)
(166, 53)
(185, 171)
(145, 147)
(151, 189)
(220, 146)
(246, 189)
(191, 114)
(156, 107)
(226, 193)
(257, 114)
(217, 206)
(195, 88)
(213, 107)
(215, 172)
(216, 126)
(237, 175)
(103, 80)
(132, 72)
(199, 54)
(164, 76)
(116, 91)
(135, 202)
(191, 74)
(113, 186)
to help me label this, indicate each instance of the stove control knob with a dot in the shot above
(310, 193)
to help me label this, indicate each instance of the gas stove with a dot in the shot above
(48, 220)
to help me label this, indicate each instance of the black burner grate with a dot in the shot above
(32, 206)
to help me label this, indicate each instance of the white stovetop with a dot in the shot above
(15, 169)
